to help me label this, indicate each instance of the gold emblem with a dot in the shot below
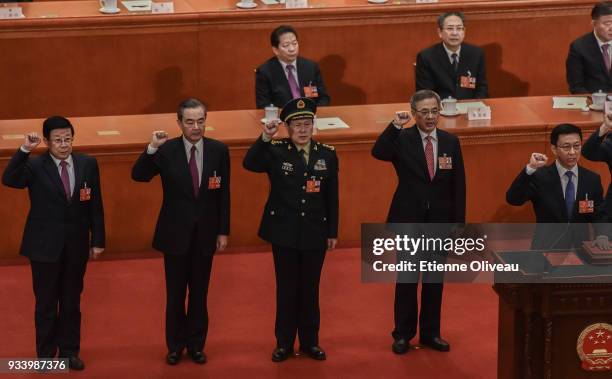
(594, 347)
(300, 104)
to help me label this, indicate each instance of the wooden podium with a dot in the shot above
(540, 326)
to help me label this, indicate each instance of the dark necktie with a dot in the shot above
(295, 90)
(455, 59)
(606, 55)
(193, 168)
(429, 157)
(65, 179)
(303, 157)
(570, 195)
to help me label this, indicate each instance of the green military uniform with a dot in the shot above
(300, 215)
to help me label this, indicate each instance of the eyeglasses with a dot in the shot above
(567, 147)
(450, 29)
(425, 112)
(59, 141)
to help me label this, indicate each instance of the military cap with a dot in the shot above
(299, 108)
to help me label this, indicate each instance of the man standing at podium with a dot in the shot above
(193, 222)
(66, 218)
(588, 66)
(288, 76)
(565, 196)
(452, 68)
(431, 189)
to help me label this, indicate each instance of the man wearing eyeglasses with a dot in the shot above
(452, 68)
(431, 189)
(565, 196)
(65, 227)
(300, 220)
(193, 222)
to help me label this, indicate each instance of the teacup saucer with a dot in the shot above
(449, 114)
(110, 10)
(246, 5)
(377, 1)
(594, 107)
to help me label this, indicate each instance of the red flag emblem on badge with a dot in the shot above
(595, 347)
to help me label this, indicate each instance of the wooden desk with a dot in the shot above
(67, 58)
(494, 152)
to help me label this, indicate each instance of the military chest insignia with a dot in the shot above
(320, 165)
(288, 167)
(595, 347)
(276, 142)
(330, 147)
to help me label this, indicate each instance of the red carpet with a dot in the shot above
(123, 318)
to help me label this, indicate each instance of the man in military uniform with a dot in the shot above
(300, 219)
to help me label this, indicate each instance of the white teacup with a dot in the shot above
(247, 3)
(110, 5)
(599, 98)
(271, 112)
(449, 105)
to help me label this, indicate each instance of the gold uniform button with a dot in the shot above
(303, 214)
(303, 187)
(272, 213)
(303, 201)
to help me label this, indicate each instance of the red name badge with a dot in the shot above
(85, 193)
(468, 82)
(586, 206)
(311, 91)
(214, 182)
(445, 163)
(313, 185)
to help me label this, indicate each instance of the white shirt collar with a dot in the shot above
(188, 145)
(450, 53)
(57, 161)
(294, 64)
(562, 170)
(434, 134)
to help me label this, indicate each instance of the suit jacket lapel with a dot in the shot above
(281, 77)
(557, 188)
(596, 51)
(51, 170)
(78, 175)
(205, 164)
(444, 60)
(180, 156)
(417, 149)
(442, 149)
(299, 65)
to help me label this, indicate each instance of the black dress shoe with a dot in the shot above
(198, 357)
(173, 358)
(75, 363)
(436, 343)
(314, 352)
(280, 354)
(400, 346)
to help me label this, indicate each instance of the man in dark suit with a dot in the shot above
(300, 220)
(66, 218)
(193, 222)
(431, 189)
(565, 196)
(452, 68)
(588, 61)
(598, 148)
(288, 76)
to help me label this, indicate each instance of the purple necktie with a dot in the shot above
(65, 179)
(606, 55)
(295, 90)
(193, 168)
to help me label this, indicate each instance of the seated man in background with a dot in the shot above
(588, 61)
(452, 68)
(565, 196)
(288, 76)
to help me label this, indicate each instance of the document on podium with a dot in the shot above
(572, 102)
(330, 123)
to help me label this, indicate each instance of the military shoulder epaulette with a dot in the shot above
(277, 142)
(330, 147)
